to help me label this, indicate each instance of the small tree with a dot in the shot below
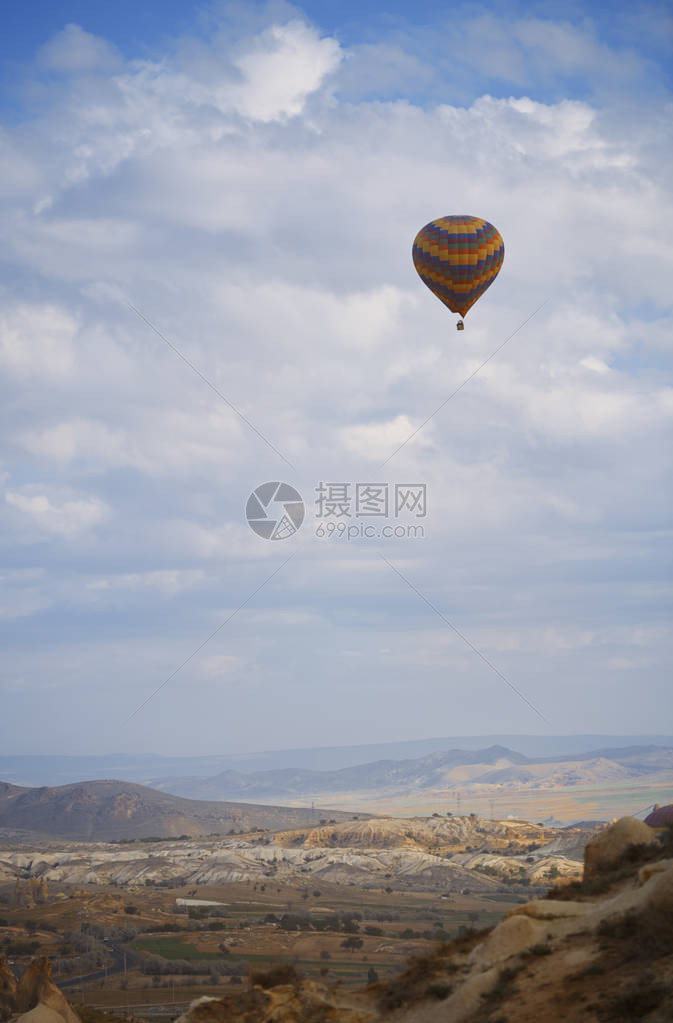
(352, 943)
(372, 976)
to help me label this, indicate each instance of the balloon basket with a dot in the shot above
(460, 325)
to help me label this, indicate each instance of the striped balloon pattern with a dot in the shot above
(458, 258)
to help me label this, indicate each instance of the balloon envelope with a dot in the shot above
(458, 258)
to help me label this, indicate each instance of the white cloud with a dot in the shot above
(378, 441)
(288, 63)
(66, 518)
(223, 666)
(72, 50)
(239, 193)
(75, 438)
(20, 174)
(22, 604)
(166, 581)
(159, 442)
(595, 365)
(37, 340)
(527, 50)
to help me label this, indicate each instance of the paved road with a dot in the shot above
(117, 966)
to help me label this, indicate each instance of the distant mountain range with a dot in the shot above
(425, 772)
(493, 767)
(46, 769)
(107, 810)
(199, 796)
(199, 805)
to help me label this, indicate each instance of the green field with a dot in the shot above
(350, 965)
(172, 948)
(351, 968)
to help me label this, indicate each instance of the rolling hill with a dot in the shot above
(425, 772)
(471, 771)
(108, 810)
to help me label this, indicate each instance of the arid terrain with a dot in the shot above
(126, 939)
(142, 899)
(495, 781)
(339, 900)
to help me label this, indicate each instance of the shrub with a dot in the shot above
(439, 990)
(294, 922)
(21, 948)
(634, 1003)
(410, 986)
(89, 1015)
(283, 973)
(595, 970)
(646, 935)
(503, 987)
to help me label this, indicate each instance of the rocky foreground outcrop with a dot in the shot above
(285, 1003)
(607, 848)
(599, 950)
(35, 998)
(8, 986)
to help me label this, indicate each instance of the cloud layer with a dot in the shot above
(232, 219)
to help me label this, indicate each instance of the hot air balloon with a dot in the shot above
(458, 257)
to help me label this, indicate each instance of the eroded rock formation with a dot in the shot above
(35, 998)
(607, 849)
(599, 950)
(7, 990)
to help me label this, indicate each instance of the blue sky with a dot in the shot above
(245, 181)
(436, 35)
